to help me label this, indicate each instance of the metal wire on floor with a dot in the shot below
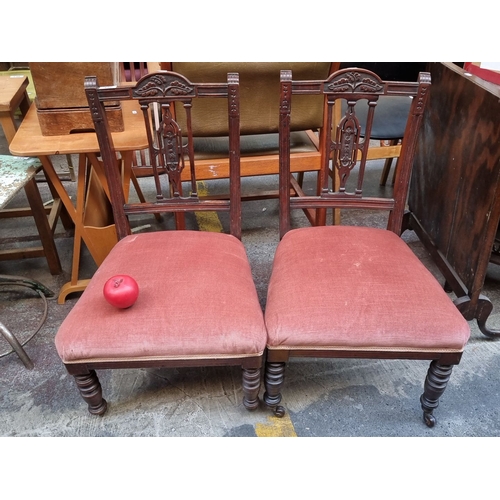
(43, 292)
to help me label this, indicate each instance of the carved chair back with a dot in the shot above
(346, 147)
(171, 147)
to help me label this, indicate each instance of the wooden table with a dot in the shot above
(454, 196)
(13, 96)
(92, 215)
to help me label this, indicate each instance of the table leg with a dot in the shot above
(92, 216)
(8, 124)
(56, 185)
(62, 213)
(76, 285)
(25, 104)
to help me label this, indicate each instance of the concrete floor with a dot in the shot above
(323, 398)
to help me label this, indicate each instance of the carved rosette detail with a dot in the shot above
(91, 91)
(355, 82)
(421, 100)
(159, 85)
(285, 103)
(233, 102)
(93, 107)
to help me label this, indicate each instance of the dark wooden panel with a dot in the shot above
(455, 181)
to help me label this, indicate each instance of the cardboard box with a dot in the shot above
(61, 102)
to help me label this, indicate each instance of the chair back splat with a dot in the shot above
(345, 291)
(197, 303)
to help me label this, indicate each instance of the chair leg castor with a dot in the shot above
(429, 419)
(279, 411)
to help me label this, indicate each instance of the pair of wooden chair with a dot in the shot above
(335, 291)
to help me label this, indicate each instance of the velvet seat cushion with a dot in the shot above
(341, 287)
(197, 299)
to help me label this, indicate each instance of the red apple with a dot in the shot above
(121, 291)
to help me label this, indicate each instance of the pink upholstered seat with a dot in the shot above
(177, 314)
(366, 290)
(355, 292)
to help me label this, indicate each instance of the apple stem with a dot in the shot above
(118, 282)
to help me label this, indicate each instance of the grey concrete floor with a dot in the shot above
(323, 398)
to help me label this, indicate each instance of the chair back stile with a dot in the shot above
(108, 154)
(170, 146)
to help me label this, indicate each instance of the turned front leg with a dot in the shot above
(434, 386)
(91, 391)
(273, 381)
(251, 388)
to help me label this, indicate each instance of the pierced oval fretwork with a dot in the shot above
(171, 150)
(346, 146)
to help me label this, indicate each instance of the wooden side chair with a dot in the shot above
(197, 304)
(356, 291)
